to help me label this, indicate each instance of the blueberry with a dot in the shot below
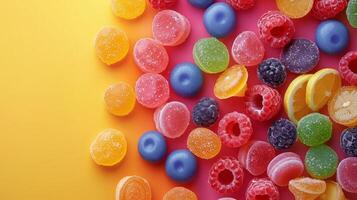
(205, 112)
(282, 134)
(332, 37)
(181, 165)
(201, 3)
(152, 146)
(348, 141)
(272, 72)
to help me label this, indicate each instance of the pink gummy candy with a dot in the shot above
(347, 174)
(226, 198)
(247, 49)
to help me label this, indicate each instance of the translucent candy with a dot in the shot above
(180, 193)
(321, 162)
(133, 187)
(128, 9)
(120, 99)
(333, 192)
(232, 82)
(351, 13)
(260, 189)
(204, 143)
(307, 188)
(295, 8)
(346, 174)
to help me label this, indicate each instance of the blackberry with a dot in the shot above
(348, 141)
(272, 72)
(205, 112)
(282, 134)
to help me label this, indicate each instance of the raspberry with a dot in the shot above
(326, 9)
(226, 175)
(348, 67)
(276, 29)
(205, 112)
(262, 189)
(228, 126)
(162, 4)
(282, 134)
(263, 102)
(241, 4)
(272, 72)
(348, 141)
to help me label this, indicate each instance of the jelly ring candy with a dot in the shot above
(232, 82)
(181, 165)
(211, 55)
(282, 134)
(180, 193)
(120, 99)
(203, 143)
(348, 141)
(128, 9)
(272, 72)
(262, 189)
(163, 4)
(348, 67)
(205, 112)
(150, 56)
(284, 167)
(307, 188)
(231, 123)
(226, 175)
(133, 187)
(326, 9)
(242, 4)
(201, 3)
(346, 174)
(333, 192)
(321, 162)
(351, 13)
(109, 147)
(152, 146)
(111, 45)
(255, 156)
(152, 90)
(296, 8)
(172, 119)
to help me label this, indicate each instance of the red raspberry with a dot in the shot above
(226, 175)
(325, 9)
(241, 4)
(348, 67)
(263, 102)
(276, 29)
(262, 189)
(227, 126)
(162, 4)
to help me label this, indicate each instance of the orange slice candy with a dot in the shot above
(133, 188)
(180, 193)
(333, 192)
(307, 188)
(232, 82)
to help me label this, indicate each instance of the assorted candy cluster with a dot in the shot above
(305, 96)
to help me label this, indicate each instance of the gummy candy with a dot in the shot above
(163, 4)
(272, 72)
(227, 198)
(232, 82)
(180, 193)
(128, 9)
(262, 189)
(307, 188)
(205, 112)
(133, 187)
(282, 134)
(348, 67)
(321, 162)
(351, 13)
(120, 99)
(348, 141)
(326, 9)
(346, 174)
(295, 8)
(242, 4)
(204, 143)
(333, 192)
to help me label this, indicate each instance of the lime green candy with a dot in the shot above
(321, 162)
(211, 55)
(352, 13)
(314, 129)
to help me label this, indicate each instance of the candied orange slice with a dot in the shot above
(232, 82)
(307, 188)
(179, 193)
(133, 188)
(333, 192)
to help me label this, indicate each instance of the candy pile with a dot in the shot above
(305, 96)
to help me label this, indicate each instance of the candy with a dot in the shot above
(272, 72)
(346, 174)
(300, 56)
(276, 29)
(180, 193)
(282, 134)
(307, 188)
(226, 175)
(263, 102)
(181, 165)
(351, 13)
(172, 119)
(152, 146)
(133, 187)
(321, 162)
(152, 90)
(201, 3)
(242, 4)
(109, 147)
(348, 141)
(186, 79)
(247, 49)
(284, 168)
(332, 37)
(128, 9)
(235, 129)
(255, 157)
(348, 67)
(262, 189)
(205, 112)
(162, 4)
(150, 56)
(219, 19)
(119, 99)
(333, 192)
(111, 45)
(227, 198)
(232, 82)
(203, 143)
(296, 8)
(211, 55)
(326, 9)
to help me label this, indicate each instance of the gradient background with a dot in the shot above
(51, 104)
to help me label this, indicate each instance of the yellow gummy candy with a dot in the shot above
(333, 192)
(128, 9)
(120, 99)
(232, 82)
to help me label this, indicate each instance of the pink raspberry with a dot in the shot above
(162, 4)
(326, 9)
(241, 4)
(262, 189)
(348, 67)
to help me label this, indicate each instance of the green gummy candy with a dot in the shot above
(321, 162)
(351, 12)
(211, 55)
(314, 129)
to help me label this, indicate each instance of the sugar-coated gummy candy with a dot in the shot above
(227, 198)
(351, 13)
(205, 113)
(242, 4)
(296, 8)
(128, 9)
(201, 3)
(321, 162)
(111, 45)
(163, 4)
(119, 99)
(179, 193)
(186, 79)
(326, 9)
(181, 165)
(282, 134)
(348, 66)
(346, 174)
(204, 143)
(152, 146)
(348, 141)
(333, 192)
(109, 147)
(232, 82)
(133, 187)
(262, 189)
(272, 72)
(307, 188)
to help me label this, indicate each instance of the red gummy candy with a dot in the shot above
(241, 4)
(162, 4)
(326, 9)
(347, 174)
(348, 67)
(262, 189)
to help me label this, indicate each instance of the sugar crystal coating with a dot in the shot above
(321, 162)
(128, 9)
(346, 174)
(119, 99)
(326, 9)
(204, 143)
(282, 134)
(247, 49)
(351, 13)
(348, 66)
(262, 189)
(133, 187)
(179, 193)
(306, 188)
(295, 8)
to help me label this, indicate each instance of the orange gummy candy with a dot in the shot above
(120, 99)
(204, 143)
(133, 188)
(180, 193)
(333, 192)
(307, 188)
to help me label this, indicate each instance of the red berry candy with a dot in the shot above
(162, 4)
(326, 9)
(226, 175)
(276, 29)
(262, 189)
(241, 4)
(348, 67)
(263, 102)
(232, 123)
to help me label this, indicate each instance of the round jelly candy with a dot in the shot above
(201, 3)
(111, 45)
(163, 4)
(152, 146)
(186, 79)
(120, 99)
(300, 56)
(307, 188)
(346, 174)
(205, 112)
(181, 165)
(172, 119)
(321, 162)
(332, 36)
(180, 193)
(211, 55)
(150, 56)
(348, 67)
(351, 12)
(133, 187)
(152, 90)
(232, 82)
(285, 167)
(128, 9)
(314, 129)
(262, 189)
(219, 19)
(204, 143)
(109, 147)
(255, 157)
(295, 8)
(333, 192)
(170, 28)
